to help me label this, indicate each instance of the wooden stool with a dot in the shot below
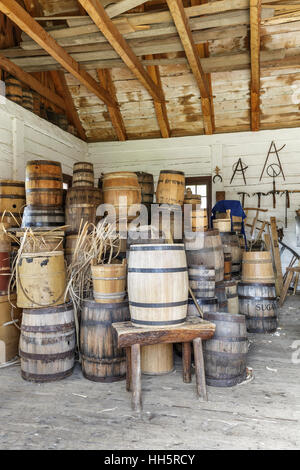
(290, 274)
(132, 338)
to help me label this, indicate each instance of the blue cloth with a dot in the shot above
(235, 208)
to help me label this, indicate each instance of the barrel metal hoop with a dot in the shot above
(226, 354)
(158, 305)
(157, 270)
(233, 339)
(262, 318)
(103, 360)
(43, 162)
(248, 297)
(12, 196)
(41, 178)
(46, 377)
(44, 190)
(257, 284)
(158, 323)
(232, 318)
(48, 357)
(231, 296)
(157, 248)
(48, 329)
(108, 278)
(115, 295)
(201, 278)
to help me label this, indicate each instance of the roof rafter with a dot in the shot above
(255, 16)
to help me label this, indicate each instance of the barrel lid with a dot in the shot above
(43, 162)
(172, 172)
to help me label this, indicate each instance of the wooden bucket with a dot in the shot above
(232, 296)
(27, 100)
(120, 185)
(170, 188)
(225, 355)
(47, 343)
(221, 296)
(12, 199)
(13, 90)
(257, 267)
(258, 303)
(202, 281)
(4, 272)
(109, 282)
(146, 183)
(231, 244)
(9, 333)
(44, 183)
(227, 266)
(102, 360)
(83, 174)
(157, 285)
(205, 248)
(206, 305)
(157, 359)
(41, 216)
(223, 225)
(41, 280)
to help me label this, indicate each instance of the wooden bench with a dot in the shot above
(290, 274)
(132, 338)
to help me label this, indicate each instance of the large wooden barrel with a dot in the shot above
(232, 296)
(4, 271)
(221, 296)
(157, 285)
(41, 216)
(47, 343)
(27, 100)
(206, 305)
(13, 90)
(170, 187)
(44, 183)
(102, 360)
(157, 359)
(9, 332)
(258, 303)
(12, 201)
(225, 355)
(231, 244)
(146, 183)
(81, 207)
(205, 248)
(83, 174)
(109, 282)
(120, 185)
(202, 281)
(257, 267)
(41, 279)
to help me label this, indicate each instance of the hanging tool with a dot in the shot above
(287, 205)
(278, 159)
(273, 171)
(259, 195)
(217, 175)
(239, 167)
(243, 194)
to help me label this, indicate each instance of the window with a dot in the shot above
(67, 181)
(201, 185)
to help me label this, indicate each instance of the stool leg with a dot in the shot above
(199, 366)
(128, 369)
(186, 362)
(136, 377)
(286, 288)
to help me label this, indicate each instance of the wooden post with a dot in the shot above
(199, 367)
(276, 254)
(128, 370)
(186, 362)
(136, 377)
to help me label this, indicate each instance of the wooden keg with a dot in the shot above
(27, 100)
(232, 296)
(157, 285)
(191, 198)
(42, 216)
(202, 281)
(225, 355)
(44, 183)
(227, 266)
(170, 187)
(258, 303)
(157, 359)
(206, 305)
(257, 267)
(9, 332)
(41, 279)
(36, 103)
(196, 220)
(146, 183)
(102, 360)
(231, 244)
(12, 202)
(4, 272)
(167, 220)
(13, 90)
(109, 282)
(121, 185)
(205, 248)
(221, 296)
(83, 174)
(47, 343)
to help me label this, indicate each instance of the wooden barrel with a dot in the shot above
(223, 225)
(231, 244)
(206, 305)
(42, 244)
(13, 90)
(71, 241)
(83, 174)
(167, 220)
(4, 272)
(225, 355)
(109, 282)
(202, 281)
(44, 183)
(191, 198)
(36, 103)
(41, 279)
(257, 267)
(120, 185)
(227, 266)
(146, 183)
(41, 216)
(76, 216)
(237, 223)
(27, 100)
(258, 303)
(221, 296)
(157, 359)
(47, 343)
(196, 221)
(157, 285)
(12, 201)
(102, 360)
(170, 187)
(9, 332)
(205, 248)
(232, 296)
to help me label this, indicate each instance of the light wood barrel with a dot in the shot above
(102, 360)
(221, 296)
(191, 198)
(41, 279)
(231, 244)
(258, 303)
(206, 305)
(13, 90)
(47, 343)
(109, 282)
(227, 266)
(205, 248)
(157, 285)
(223, 225)
(120, 185)
(42, 216)
(202, 281)
(44, 183)
(170, 187)
(12, 201)
(4, 272)
(9, 333)
(232, 296)
(146, 183)
(257, 267)
(83, 174)
(27, 100)
(157, 359)
(225, 355)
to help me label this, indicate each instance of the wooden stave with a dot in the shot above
(146, 182)
(170, 191)
(254, 298)
(202, 281)
(227, 266)
(164, 218)
(42, 216)
(44, 183)
(9, 333)
(257, 267)
(231, 244)
(12, 196)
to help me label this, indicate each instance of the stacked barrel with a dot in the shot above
(146, 182)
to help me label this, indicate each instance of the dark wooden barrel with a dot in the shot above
(206, 305)
(202, 281)
(146, 183)
(221, 296)
(62, 121)
(81, 206)
(27, 100)
(36, 103)
(41, 216)
(13, 90)
(225, 355)
(227, 266)
(102, 360)
(44, 183)
(83, 174)
(12, 202)
(258, 303)
(231, 244)
(47, 343)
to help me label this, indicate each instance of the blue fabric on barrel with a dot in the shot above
(235, 208)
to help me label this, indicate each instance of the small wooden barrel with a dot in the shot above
(36, 103)
(223, 225)
(193, 199)
(41, 216)
(12, 201)
(41, 279)
(231, 244)
(47, 343)
(206, 305)
(109, 282)
(257, 267)
(221, 296)
(225, 355)
(195, 218)
(157, 359)
(102, 360)
(258, 303)
(27, 100)
(146, 183)
(118, 186)
(9, 333)
(237, 223)
(4, 272)
(13, 90)
(202, 281)
(170, 187)
(227, 266)
(205, 248)
(232, 296)
(157, 285)
(83, 174)
(44, 183)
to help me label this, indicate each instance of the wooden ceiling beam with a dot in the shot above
(185, 34)
(255, 15)
(23, 19)
(115, 38)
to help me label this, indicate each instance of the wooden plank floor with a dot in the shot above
(78, 414)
